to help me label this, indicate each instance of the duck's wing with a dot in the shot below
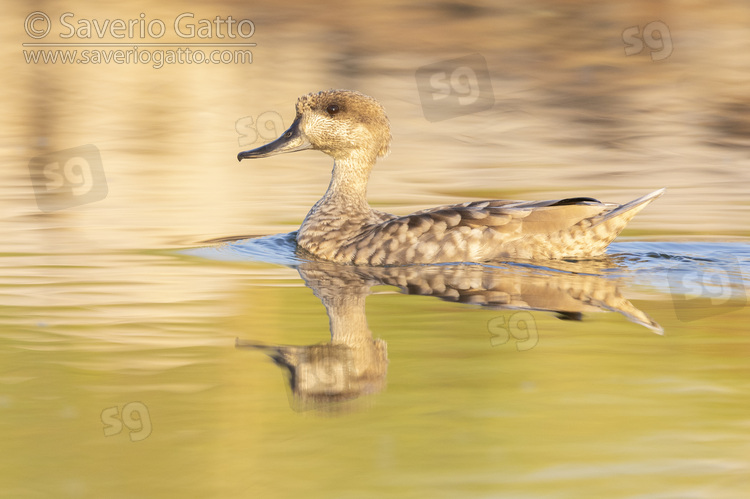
(483, 230)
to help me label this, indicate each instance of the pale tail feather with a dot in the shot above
(627, 211)
(596, 233)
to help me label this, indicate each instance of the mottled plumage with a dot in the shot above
(353, 129)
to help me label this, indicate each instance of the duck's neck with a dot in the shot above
(342, 211)
(348, 187)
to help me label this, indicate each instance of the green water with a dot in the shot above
(602, 407)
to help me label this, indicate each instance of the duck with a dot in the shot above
(341, 227)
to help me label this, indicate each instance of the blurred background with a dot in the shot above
(119, 372)
(570, 113)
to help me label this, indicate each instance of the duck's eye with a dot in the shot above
(332, 109)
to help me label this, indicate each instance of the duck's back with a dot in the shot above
(477, 231)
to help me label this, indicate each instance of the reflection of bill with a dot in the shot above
(456, 87)
(324, 376)
(699, 294)
(68, 178)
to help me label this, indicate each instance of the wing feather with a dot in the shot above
(467, 231)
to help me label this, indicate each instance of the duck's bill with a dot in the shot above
(290, 141)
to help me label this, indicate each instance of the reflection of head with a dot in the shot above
(320, 376)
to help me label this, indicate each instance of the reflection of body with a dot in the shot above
(341, 227)
(354, 363)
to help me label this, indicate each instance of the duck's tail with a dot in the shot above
(606, 227)
(624, 213)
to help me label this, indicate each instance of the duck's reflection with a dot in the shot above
(354, 363)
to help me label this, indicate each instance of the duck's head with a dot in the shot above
(341, 123)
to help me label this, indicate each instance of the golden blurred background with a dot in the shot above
(572, 114)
